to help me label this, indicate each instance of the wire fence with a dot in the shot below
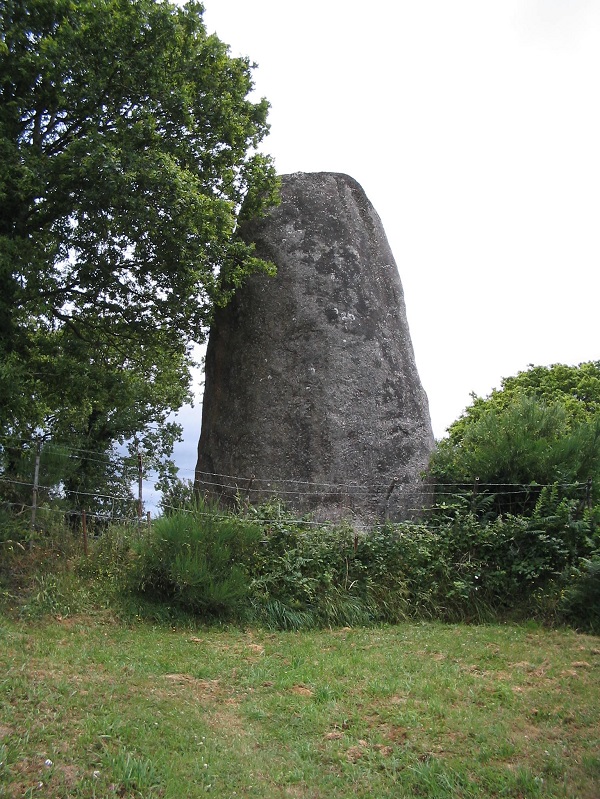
(37, 477)
(133, 497)
(416, 499)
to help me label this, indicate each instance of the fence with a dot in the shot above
(128, 484)
(135, 497)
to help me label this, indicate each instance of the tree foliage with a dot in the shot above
(577, 388)
(542, 427)
(127, 147)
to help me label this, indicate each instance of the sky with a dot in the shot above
(474, 128)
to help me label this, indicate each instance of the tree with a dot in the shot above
(541, 428)
(575, 387)
(127, 148)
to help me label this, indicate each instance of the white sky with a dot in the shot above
(474, 128)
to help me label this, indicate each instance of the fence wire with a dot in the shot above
(244, 490)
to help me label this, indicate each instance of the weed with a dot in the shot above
(130, 773)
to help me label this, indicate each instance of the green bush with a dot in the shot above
(580, 599)
(393, 566)
(197, 559)
(303, 575)
(542, 427)
(177, 494)
(110, 557)
(457, 568)
(14, 540)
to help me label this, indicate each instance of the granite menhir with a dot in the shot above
(311, 390)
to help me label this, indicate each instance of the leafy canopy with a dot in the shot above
(541, 427)
(127, 147)
(577, 388)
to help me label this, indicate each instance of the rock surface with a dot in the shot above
(311, 390)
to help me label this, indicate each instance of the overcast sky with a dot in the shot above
(474, 128)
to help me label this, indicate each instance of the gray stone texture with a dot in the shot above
(312, 392)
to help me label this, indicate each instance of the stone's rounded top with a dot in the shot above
(314, 179)
(342, 176)
(325, 217)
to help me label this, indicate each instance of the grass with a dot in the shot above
(92, 707)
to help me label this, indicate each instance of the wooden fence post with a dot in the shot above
(84, 532)
(36, 480)
(140, 486)
(474, 494)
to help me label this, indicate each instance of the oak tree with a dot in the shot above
(128, 144)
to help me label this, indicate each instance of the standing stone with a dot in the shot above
(311, 391)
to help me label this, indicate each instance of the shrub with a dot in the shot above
(177, 494)
(580, 599)
(303, 575)
(490, 569)
(264, 566)
(457, 568)
(196, 558)
(393, 565)
(110, 556)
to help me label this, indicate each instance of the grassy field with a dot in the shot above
(90, 707)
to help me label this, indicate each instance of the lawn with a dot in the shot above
(90, 707)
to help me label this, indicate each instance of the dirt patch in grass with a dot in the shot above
(301, 690)
(25, 773)
(40, 776)
(246, 649)
(226, 722)
(203, 689)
